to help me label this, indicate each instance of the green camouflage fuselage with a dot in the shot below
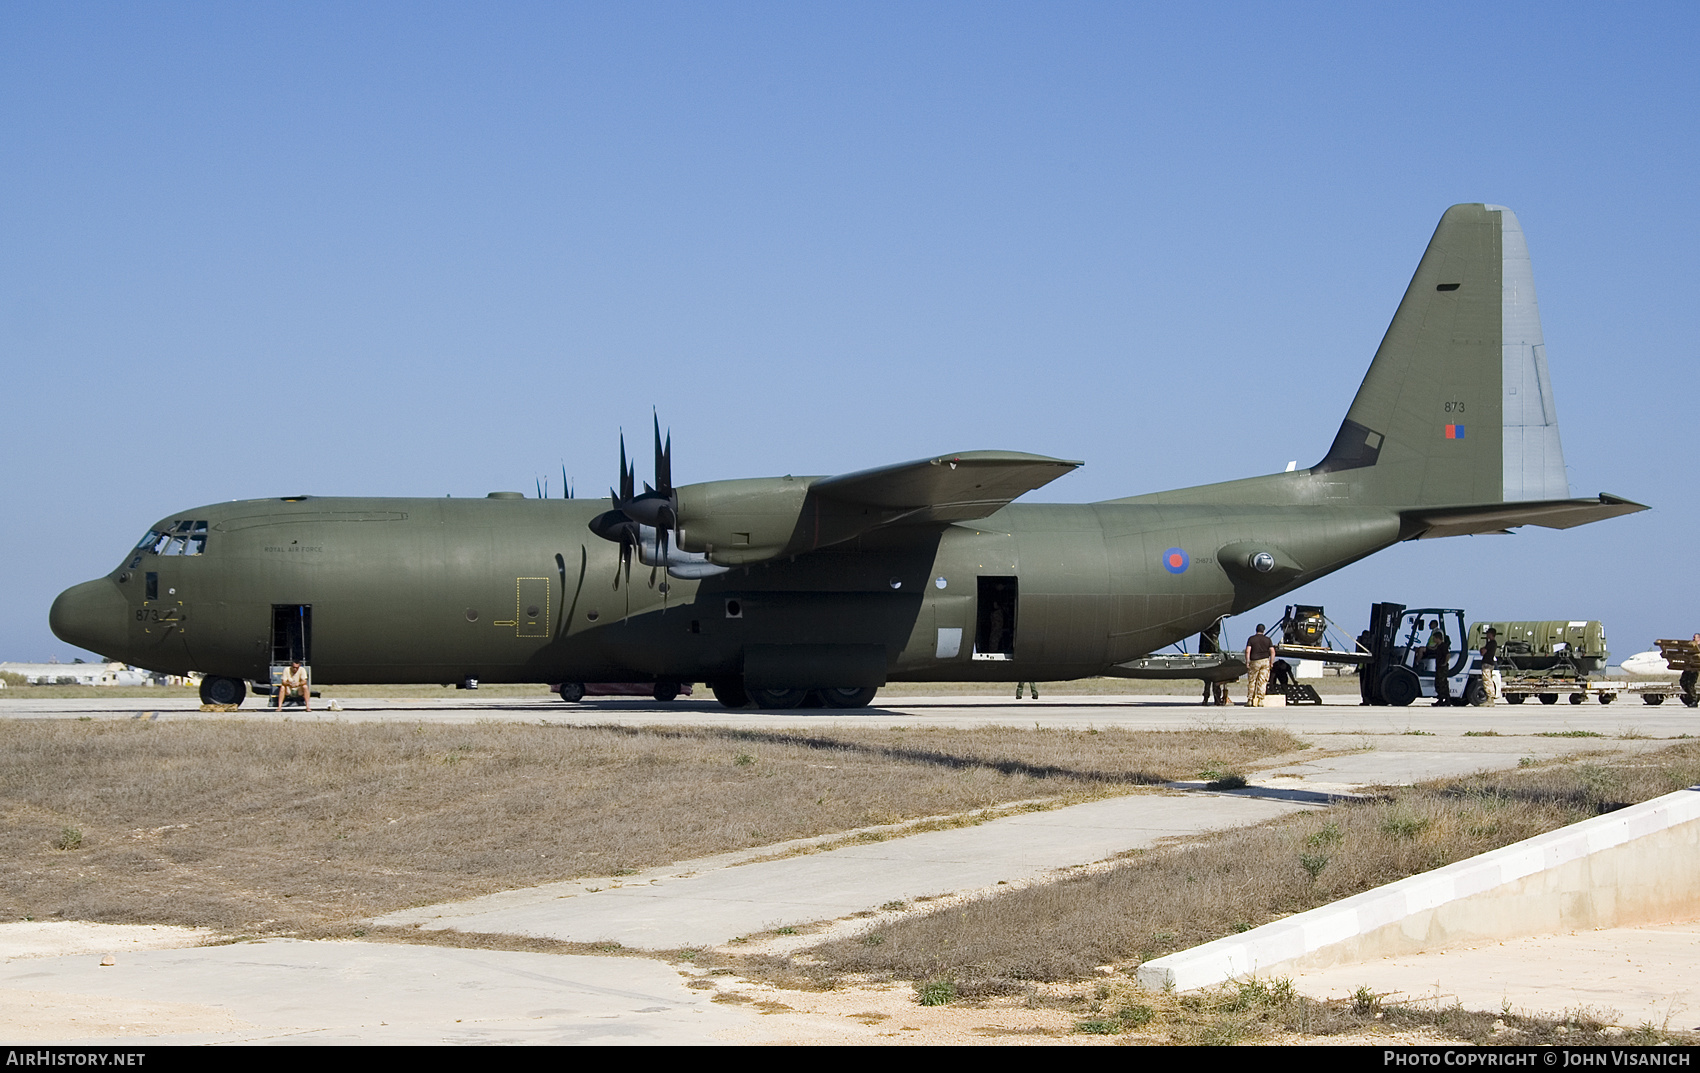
(505, 590)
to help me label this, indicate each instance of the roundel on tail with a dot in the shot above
(1175, 560)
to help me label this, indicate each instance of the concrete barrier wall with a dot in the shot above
(1638, 865)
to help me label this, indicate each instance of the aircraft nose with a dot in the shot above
(93, 615)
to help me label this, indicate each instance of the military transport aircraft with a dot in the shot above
(790, 590)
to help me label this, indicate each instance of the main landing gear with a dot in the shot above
(732, 693)
(216, 689)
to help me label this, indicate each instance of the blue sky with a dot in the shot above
(421, 249)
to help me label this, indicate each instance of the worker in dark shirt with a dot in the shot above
(1259, 656)
(1490, 653)
(1689, 680)
(1440, 650)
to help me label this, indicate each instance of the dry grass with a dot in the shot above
(304, 826)
(1258, 1011)
(1171, 900)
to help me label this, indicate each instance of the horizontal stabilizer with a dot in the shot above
(1424, 522)
(950, 488)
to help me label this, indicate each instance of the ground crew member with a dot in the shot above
(1209, 644)
(1690, 678)
(1259, 657)
(294, 681)
(1490, 653)
(1440, 648)
(1034, 685)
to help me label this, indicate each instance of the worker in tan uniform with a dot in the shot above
(1259, 657)
(1490, 656)
(294, 680)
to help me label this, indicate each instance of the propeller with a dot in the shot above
(616, 525)
(657, 507)
(649, 522)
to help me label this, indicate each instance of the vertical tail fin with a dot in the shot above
(1454, 427)
(1457, 407)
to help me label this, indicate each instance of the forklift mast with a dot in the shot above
(1383, 644)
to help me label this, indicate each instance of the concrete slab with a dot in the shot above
(284, 991)
(54, 938)
(1629, 976)
(1638, 865)
(336, 992)
(718, 904)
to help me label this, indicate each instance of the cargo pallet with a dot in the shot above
(1548, 688)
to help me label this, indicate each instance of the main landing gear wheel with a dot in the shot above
(219, 690)
(730, 692)
(1399, 687)
(848, 697)
(779, 698)
(572, 692)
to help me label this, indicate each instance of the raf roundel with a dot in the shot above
(1175, 560)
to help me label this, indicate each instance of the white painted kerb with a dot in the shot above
(1638, 865)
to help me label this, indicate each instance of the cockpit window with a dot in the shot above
(179, 538)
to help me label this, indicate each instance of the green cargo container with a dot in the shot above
(1537, 646)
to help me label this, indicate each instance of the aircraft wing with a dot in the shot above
(949, 488)
(1424, 522)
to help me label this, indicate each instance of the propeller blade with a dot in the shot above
(625, 561)
(628, 475)
(663, 460)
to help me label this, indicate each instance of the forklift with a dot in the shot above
(1400, 669)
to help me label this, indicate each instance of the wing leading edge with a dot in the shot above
(949, 488)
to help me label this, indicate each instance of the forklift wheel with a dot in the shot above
(1399, 687)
